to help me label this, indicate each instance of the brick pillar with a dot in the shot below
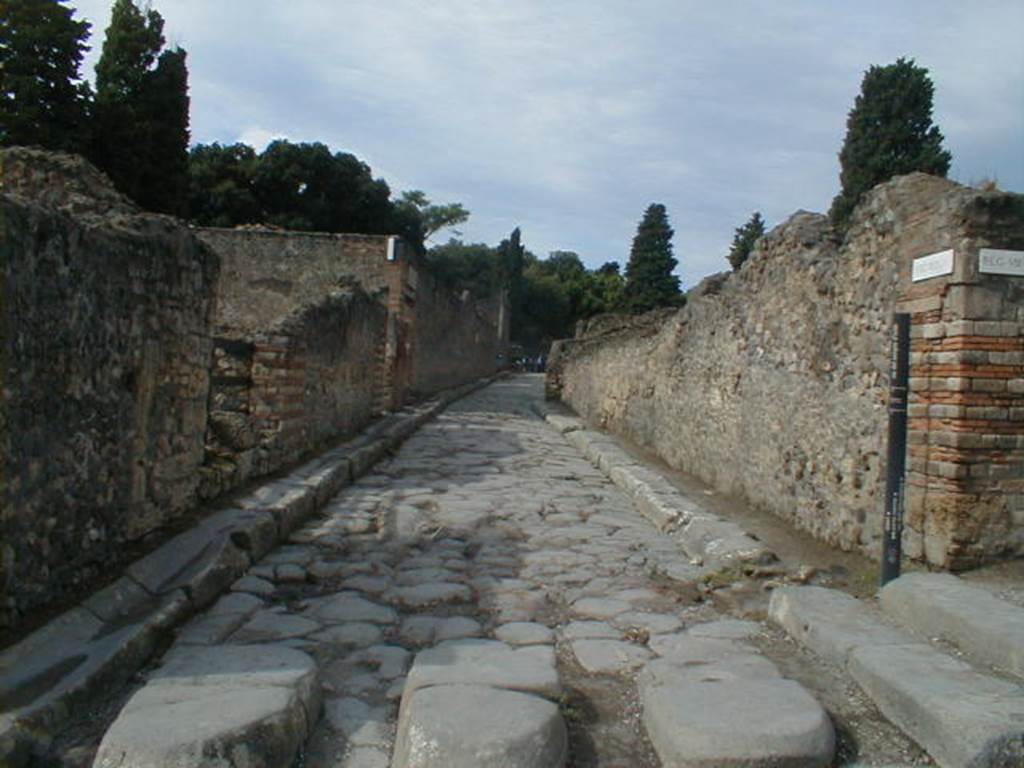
(966, 439)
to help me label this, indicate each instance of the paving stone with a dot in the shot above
(390, 661)
(608, 657)
(358, 634)
(695, 718)
(470, 726)
(254, 585)
(435, 593)
(350, 606)
(525, 633)
(457, 627)
(599, 608)
(362, 725)
(987, 629)
(654, 623)
(486, 662)
(322, 570)
(726, 629)
(271, 625)
(595, 630)
(251, 705)
(370, 585)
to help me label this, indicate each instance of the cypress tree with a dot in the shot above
(43, 100)
(649, 279)
(141, 138)
(889, 132)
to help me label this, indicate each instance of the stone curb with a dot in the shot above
(987, 629)
(962, 717)
(716, 543)
(54, 672)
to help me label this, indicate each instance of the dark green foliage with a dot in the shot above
(294, 186)
(743, 241)
(889, 132)
(649, 279)
(469, 267)
(511, 261)
(420, 219)
(221, 189)
(164, 180)
(141, 111)
(43, 101)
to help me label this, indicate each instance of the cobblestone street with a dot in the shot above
(510, 588)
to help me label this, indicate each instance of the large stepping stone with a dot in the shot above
(729, 714)
(475, 726)
(486, 662)
(987, 629)
(226, 706)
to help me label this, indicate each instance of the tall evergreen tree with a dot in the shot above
(164, 182)
(743, 241)
(141, 110)
(649, 279)
(43, 100)
(511, 262)
(889, 132)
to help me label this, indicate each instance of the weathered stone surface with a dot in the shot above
(964, 719)
(829, 622)
(350, 606)
(470, 726)
(271, 625)
(431, 593)
(599, 607)
(987, 629)
(787, 363)
(486, 662)
(525, 633)
(697, 716)
(608, 657)
(232, 706)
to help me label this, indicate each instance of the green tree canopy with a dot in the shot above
(221, 188)
(649, 279)
(421, 219)
(889, 132)
(141, 110)
(43, 100)
(744, 240)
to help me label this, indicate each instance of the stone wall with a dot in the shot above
(281, 393)
(456, 338)
(772, 382)
(106, 317)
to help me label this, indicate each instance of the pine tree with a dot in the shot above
(43, 100)
(889, 132)
(744, 240)
(649, 279)
(511, 261)
(141, 125)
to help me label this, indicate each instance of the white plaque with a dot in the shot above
(935, 265)
(993, 261)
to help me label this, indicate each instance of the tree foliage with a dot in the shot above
(744, 239)
(649, 279)
(422, 219)
(141, 111)
(43, 100)
(889, 132)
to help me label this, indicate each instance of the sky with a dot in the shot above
(567, 118)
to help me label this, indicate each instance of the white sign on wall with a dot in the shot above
(994, 261)
(935, 265)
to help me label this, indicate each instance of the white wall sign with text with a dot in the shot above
(993, 261)
(935, 265)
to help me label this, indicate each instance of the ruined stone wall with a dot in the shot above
(772, 382)
(455, 338)
(280, 393)
(106, 316)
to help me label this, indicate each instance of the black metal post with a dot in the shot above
(899, 376)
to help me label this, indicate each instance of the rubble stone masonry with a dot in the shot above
(772, 383)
